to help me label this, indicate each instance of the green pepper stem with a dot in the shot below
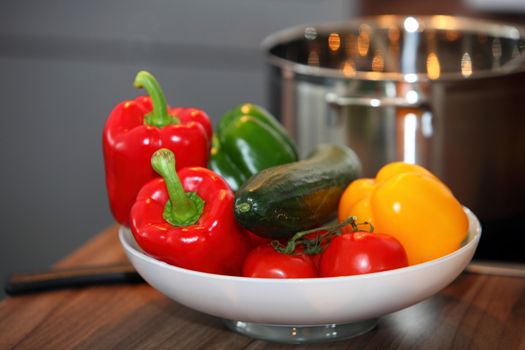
(159, 116)
(183, 208)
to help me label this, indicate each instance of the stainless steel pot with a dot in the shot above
(447, 93)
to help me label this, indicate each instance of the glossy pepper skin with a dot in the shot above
(203, 236)
(137, 128)
(249, 139)
(411, 204)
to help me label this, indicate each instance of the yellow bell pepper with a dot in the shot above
(411, 204)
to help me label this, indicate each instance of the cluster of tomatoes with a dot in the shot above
(348, 253)
(416, 219)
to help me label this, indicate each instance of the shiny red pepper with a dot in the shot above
(137, 128)
(186, 219)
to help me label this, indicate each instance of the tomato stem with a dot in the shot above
(355, 226)
(315, 245)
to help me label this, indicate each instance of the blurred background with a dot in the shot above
(65, 64)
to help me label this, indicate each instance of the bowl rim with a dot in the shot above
(473, 235)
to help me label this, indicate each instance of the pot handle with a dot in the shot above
(344, 101)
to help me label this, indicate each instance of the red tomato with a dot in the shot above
(265, 262)
(361, 252)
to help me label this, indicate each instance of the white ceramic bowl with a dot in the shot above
(302, 302)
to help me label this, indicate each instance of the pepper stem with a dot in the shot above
(183, 208)
(159, 116)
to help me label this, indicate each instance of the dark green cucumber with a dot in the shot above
(282, 200)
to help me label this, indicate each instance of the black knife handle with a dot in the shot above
(24, 283)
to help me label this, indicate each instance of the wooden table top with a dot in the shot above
(475, 312)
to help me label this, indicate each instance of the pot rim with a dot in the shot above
(439, 22)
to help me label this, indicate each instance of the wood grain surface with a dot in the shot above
(474, 312)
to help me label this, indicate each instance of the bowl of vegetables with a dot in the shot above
(323, 284)
(281, 248)
(302, 309)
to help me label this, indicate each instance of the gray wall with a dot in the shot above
(65, 64)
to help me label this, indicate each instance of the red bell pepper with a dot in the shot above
(137, 128)
(186, 219)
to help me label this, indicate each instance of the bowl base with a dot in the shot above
(301, 334)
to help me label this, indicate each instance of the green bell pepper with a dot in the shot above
(247, 140)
